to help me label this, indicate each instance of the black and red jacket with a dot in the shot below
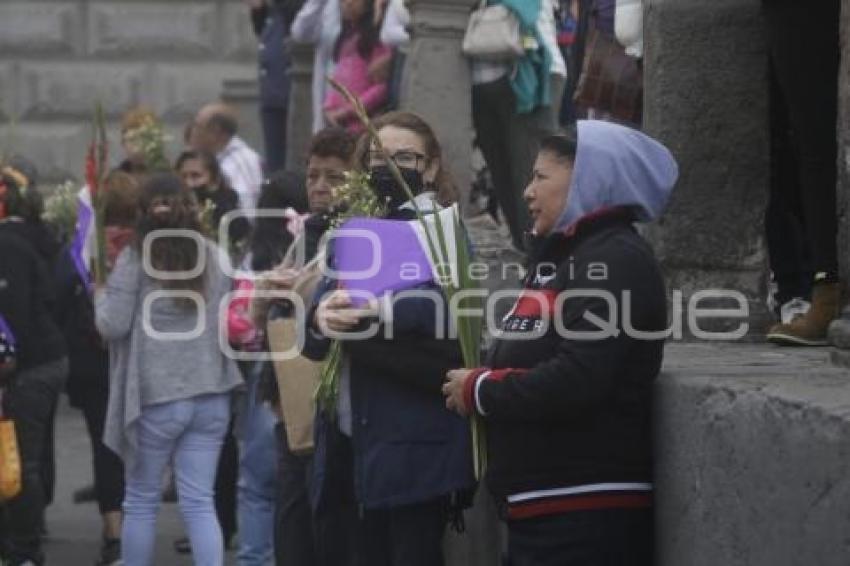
(568, 420)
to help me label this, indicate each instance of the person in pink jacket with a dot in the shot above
(357, 52)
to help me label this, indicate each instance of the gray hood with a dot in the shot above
(616, 166)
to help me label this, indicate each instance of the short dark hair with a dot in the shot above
(26, 168)
(121, 199)
(564, 146)
(224, 122)
(333, 142)
(270, 239)
(11, 200)
(284, 189)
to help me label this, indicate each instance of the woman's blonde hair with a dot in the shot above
(136, 117)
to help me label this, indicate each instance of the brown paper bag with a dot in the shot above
(297, 380)
(10, 461)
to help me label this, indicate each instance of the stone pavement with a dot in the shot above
(74, 530)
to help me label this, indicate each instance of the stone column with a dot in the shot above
(436, 81)
(436, 85)
(705, 97)
(244, 96)
(299, 124)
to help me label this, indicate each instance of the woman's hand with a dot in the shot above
(336, 313)
(453, 390)
(277, 279)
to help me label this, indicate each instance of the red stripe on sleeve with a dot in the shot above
(469, 388)
(501, 374)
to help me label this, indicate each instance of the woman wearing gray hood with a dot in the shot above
(566, 394)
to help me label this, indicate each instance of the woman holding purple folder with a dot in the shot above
(390, 445)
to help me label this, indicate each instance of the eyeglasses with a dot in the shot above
(404, 158)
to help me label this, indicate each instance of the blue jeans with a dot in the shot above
(256, 491)
(191, 432)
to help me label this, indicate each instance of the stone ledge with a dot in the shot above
(28, 28)
(179, 89)
(237, 37)
(173, 29)
(53, 90)
(752, 457)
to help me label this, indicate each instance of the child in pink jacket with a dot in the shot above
(359, 58)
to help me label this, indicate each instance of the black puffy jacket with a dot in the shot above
(26, 299)
(569, 419)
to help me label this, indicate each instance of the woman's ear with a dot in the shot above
(430, 173)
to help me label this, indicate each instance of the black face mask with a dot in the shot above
(202, 193)
(388, 189)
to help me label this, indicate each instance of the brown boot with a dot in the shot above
(810, 329)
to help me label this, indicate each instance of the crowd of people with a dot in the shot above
(389, 467)
(179, 402)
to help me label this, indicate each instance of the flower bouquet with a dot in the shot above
(150, 138)
(353, 199)
(60, 209)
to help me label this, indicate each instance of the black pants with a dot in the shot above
(335, 515)
(274, 137)
(108, 467)
(30, 402)
(226, 477)
(785, 224)
(804, 55)
(612, 537)
(509, 143)
(294, 536)
(48, 469)
(411, 535)
(400, 536)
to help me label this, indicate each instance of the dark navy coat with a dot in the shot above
(407, 447)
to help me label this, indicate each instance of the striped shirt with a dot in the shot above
(243, 168)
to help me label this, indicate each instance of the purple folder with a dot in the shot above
(391, 260)
(6, 332)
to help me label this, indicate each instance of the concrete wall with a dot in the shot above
(706, 99)
(752, 458)
(57, 57)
